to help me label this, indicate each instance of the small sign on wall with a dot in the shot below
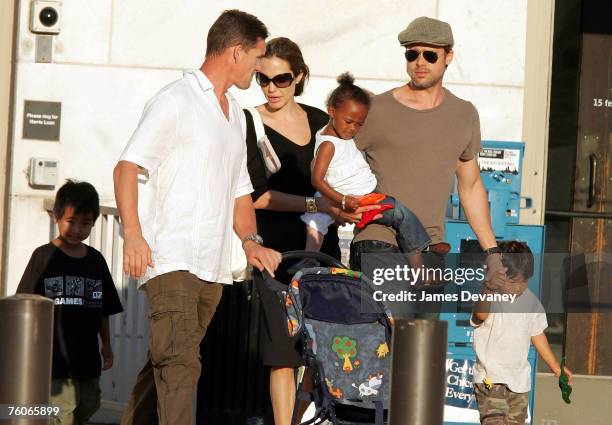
(41, 120)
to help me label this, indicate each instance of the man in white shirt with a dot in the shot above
(179, 181)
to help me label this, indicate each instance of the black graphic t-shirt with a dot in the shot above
(84, 293)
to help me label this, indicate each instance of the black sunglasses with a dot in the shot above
(281, 80)
(412, 55)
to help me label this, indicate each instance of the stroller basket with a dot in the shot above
(346, 341)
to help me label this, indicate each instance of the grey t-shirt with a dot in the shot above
(414, 153)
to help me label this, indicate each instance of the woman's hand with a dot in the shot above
(342, 217)
(352, 202)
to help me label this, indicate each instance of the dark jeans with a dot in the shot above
(368, 255)
(411, 235)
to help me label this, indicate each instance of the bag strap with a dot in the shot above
(257, 122)
(270, 159)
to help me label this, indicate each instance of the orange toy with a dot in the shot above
(371, 199)
(368, 216)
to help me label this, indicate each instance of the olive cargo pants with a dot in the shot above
(180, 308)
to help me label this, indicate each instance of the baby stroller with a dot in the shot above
(345, 337)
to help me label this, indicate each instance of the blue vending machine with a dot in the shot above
(501, 169)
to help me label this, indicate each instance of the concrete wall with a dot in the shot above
(111, 56)
(590, 398)
(7, 23)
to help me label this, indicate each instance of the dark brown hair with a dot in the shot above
(81, 196)
(234, 27)
(289, 51)
(347, 90)
(517, 258)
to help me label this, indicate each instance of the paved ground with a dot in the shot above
(590, 402)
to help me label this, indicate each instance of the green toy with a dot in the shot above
(566, 388)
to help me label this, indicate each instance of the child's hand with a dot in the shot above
(107, 357)
(352, 202)
(557, 372)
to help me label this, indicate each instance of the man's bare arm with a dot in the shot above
(473, 196)
(136, 251)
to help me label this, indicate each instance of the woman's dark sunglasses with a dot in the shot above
(412, 55)
(281, 80)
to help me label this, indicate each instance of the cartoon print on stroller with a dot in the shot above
(345, 338)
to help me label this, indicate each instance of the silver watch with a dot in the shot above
(253, 237)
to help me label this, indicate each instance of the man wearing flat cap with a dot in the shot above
(416, 138)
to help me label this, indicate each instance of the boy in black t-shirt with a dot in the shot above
(76, 277)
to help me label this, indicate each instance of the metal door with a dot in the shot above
(588, 337)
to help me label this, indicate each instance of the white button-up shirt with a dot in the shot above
(196, 164)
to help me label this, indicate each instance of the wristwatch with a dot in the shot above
(253, 237)
(492, 250)
(311, 204)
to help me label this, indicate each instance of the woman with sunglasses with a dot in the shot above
(281, 198)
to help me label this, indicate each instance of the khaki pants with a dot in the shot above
(180, 308)
(78, 400)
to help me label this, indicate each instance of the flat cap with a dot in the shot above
(427, 31)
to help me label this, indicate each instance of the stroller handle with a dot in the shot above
(324, 258)
(298, 255)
